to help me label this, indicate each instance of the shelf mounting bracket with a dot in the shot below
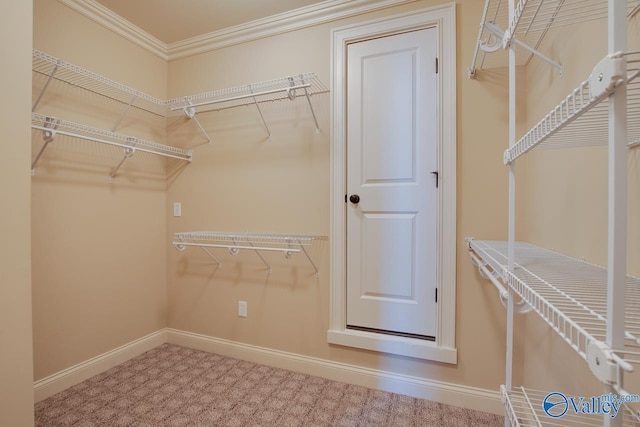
(306, 94)
(48, 135)
(128, 152)
(499, 32)
(124, 113)
(46, 85)
(190, 112)
(264, 122)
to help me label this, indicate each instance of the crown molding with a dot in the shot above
(319, 13)
(118, 25)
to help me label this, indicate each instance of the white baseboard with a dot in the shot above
(76, 374)
(438, 391)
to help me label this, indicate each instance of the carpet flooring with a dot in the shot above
(172, 385)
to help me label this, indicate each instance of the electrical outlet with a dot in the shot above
(177, 209)
(242, 308)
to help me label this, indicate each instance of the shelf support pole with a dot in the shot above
(261, 257)
(617, 194)
(213, 257)
(512, 215)
(264, 122)
(304, 251)
(313, 113)
(128, 152)
(46, 85)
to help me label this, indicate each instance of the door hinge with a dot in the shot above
(436, 294)
(345, 198)
(436, 65)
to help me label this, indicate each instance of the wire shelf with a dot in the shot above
(64, 127)
(234, 242)
(568, 293)
(271, 90)
(77, 76)
(533, 19)
(581, 119)
(524, 408)
(277, 240)
(302, 85)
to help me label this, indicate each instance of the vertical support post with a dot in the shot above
(617, 197)
(512, 214)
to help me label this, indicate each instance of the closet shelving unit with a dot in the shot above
(289, 245)
(595, 310)
(56, 69)
(285, 88)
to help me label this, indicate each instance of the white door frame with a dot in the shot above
(443, 349)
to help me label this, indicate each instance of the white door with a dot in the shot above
(392, 164)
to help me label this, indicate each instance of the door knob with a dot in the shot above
(354, 198)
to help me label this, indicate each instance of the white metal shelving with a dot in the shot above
(51, 127)
(569, 294)
(55, 69)
(235, 242)
(524, 409)
(595, 310)
(285, 88)
(532, 20)
(581, 119)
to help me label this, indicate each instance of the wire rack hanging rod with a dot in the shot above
(250, 95)
(232, 246)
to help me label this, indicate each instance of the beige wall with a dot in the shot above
(16, 352)
(244, 183)
(98, 249)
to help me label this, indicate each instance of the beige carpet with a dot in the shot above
(177, 386)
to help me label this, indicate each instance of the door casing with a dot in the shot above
(443, 349)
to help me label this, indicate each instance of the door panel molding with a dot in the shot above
(443, 349)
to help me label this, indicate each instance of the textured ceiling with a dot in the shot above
(171, 21)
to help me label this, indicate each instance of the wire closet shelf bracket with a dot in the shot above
(235, 242)
(531, 22)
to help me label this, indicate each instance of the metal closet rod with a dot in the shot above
(249, 95)
(234, 246)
